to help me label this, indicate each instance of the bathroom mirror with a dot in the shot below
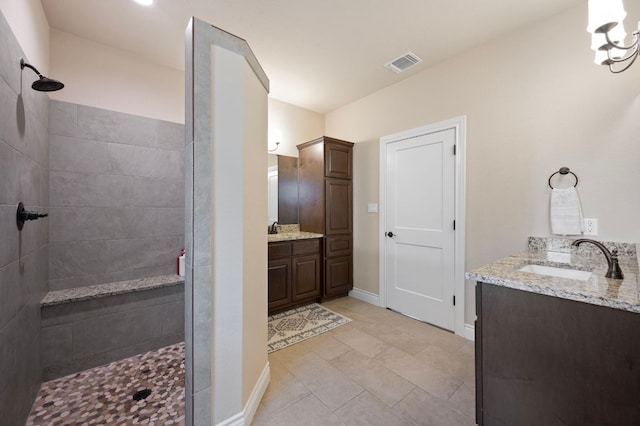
(272, 189)
(282, 178)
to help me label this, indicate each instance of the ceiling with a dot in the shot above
(319, 54)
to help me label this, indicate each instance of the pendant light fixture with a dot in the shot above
(608, 35)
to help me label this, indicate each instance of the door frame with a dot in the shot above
(459, 125)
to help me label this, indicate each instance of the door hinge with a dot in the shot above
(454, 149)
(454, 224)
(454, 300)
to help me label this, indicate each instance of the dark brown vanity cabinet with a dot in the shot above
(294, 273)
(325, 169)
(544, 360)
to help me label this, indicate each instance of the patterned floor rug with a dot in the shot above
(296, 325)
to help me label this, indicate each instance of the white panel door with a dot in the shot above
(420, 243)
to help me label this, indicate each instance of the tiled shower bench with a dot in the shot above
(85, 327)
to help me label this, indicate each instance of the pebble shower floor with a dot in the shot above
(105, 395)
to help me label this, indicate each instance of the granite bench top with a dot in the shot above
(109, 289)
(598, 290)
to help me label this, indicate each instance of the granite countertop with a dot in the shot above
(597, 290)
(290, 236)
(109, 289)
(291, 232)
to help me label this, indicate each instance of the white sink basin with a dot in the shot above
(557, 272)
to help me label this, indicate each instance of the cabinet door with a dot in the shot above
(338, 276)
(338, 206)
(337, 160)
(311, 187)
(478, 354)
(279, 278)
(306, 277)
(548, 360)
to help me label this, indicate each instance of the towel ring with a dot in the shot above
(563, 171)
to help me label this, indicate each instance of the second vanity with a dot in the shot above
(294, 268)
(315, 265)
(557, 343)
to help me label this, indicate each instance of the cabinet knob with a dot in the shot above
(390, 234)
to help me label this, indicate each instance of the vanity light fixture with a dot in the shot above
(274, 149)
(274, 138)
(607, 35)
(144, 2)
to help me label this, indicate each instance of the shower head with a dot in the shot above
(43, 84)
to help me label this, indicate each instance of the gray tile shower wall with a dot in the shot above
(24, 255)
(116, 185)
(87, 333)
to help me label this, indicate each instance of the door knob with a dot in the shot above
(390, 234)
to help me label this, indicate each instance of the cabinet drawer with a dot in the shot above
(279, 250)
(337, 246)
(306, 247)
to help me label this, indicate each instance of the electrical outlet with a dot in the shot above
(590, 226)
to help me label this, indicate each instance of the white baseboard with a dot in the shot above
(246, 416)
(374, 299)
(256, 395)
(237, 420)
(469, 332)
(365, 296)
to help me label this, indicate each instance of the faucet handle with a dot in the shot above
(614, 269)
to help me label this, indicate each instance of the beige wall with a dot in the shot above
(29, 24)
(534, 102)
(295, 125)
(254, 306)
(365, 225)
(104, 77)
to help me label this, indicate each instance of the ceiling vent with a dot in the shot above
(404, 62)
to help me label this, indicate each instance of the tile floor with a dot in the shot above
(380, 369)
(104, 395)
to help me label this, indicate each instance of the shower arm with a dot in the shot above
(25, 64)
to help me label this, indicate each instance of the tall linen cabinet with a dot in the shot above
(326, 207)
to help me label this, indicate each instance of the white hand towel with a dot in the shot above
(566, 212)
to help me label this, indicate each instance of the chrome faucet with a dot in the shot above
(614, 270)
(273, 229)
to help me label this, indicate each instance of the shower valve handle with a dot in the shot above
(23, 215)
(27, 215)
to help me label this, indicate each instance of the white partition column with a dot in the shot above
(226, 362)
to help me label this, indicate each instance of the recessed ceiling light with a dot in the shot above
(144, 2)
